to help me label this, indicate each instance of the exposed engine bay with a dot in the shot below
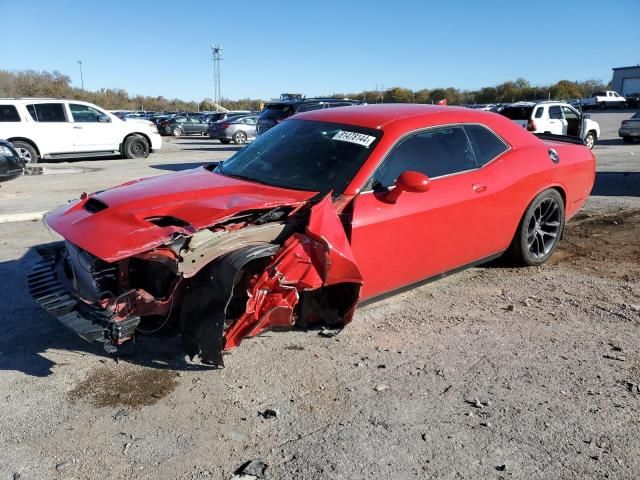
(253, 271)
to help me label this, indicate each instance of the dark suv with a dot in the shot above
(274, 112)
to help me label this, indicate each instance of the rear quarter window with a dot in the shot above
(276, 112)
(486, 144)
(8, 113)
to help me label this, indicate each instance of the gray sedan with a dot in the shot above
(630, 129)
(237, 129)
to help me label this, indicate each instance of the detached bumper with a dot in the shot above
(50, 287)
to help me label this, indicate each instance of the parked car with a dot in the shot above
(50, 129)
(630, 129)
(275, 112)
(633, 100)
(234, 129)
(313, 217)
(183, 125)
(11, 163)
(602, 100)
(557, 118)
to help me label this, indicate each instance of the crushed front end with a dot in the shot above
(247, 273)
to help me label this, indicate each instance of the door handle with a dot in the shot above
(77, 128)
(478, 188)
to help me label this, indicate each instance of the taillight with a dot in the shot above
(224, 125)
(625, 122)
(531, 125)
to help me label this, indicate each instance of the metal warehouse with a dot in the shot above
(626, 80)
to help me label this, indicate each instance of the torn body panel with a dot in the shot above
(249, 273)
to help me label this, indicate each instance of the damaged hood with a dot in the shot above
(115, 223)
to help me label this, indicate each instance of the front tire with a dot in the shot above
(27, 151)
(176, 132)
(539, 230)
(590, 140)
(135, 146)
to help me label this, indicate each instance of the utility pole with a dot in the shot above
(81, 78)
(217, 56)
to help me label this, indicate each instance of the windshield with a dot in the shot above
(304, 155)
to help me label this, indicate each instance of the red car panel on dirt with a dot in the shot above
(312, 218)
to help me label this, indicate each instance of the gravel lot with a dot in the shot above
(492, 373)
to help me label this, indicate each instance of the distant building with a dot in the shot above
(626, 80)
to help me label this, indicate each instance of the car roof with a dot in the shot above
(377, 115)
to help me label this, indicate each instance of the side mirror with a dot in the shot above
(104, 118)
(409, 181)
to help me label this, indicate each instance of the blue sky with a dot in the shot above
(156, 48)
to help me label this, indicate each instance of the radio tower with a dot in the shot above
(217, 56)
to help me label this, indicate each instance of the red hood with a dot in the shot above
(199, 197)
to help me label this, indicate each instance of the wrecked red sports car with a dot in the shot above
(326, 210)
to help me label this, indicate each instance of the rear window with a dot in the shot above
(517, 112)
(307, 107)
(47, 112)
(8, 113)
(276, 112)
(637, 115)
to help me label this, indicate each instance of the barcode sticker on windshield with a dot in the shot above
(354, 137)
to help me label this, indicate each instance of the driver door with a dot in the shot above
(423, 235)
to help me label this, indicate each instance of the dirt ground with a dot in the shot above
(493, 373)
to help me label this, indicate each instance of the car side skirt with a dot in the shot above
(425, 281)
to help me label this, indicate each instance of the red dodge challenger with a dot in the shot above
(326, 210)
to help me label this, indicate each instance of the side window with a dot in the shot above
(47, 112)
(250, 121)
(8, 113)
(539, 112)
(569, 114)
(486, 144)
(84, 113)
(555, 112)
(434, 152)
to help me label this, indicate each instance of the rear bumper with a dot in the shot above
(156, 141)
(629, 132)
(50, 287)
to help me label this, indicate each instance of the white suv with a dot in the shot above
(43, 129)
(558, 118)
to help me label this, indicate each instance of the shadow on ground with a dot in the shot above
(617, 184)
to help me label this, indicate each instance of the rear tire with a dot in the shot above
(239, 137)
(590, 140)
(624, 139)
(176, 132)
(28, 152)
(539, 230)
(135, 146)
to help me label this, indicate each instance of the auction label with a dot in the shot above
(354, 137)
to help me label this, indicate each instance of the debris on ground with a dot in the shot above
(251, 470)
(381, 387)
(269, 413)
(326, 333)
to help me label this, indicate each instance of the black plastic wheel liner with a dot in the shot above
(205, 305)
